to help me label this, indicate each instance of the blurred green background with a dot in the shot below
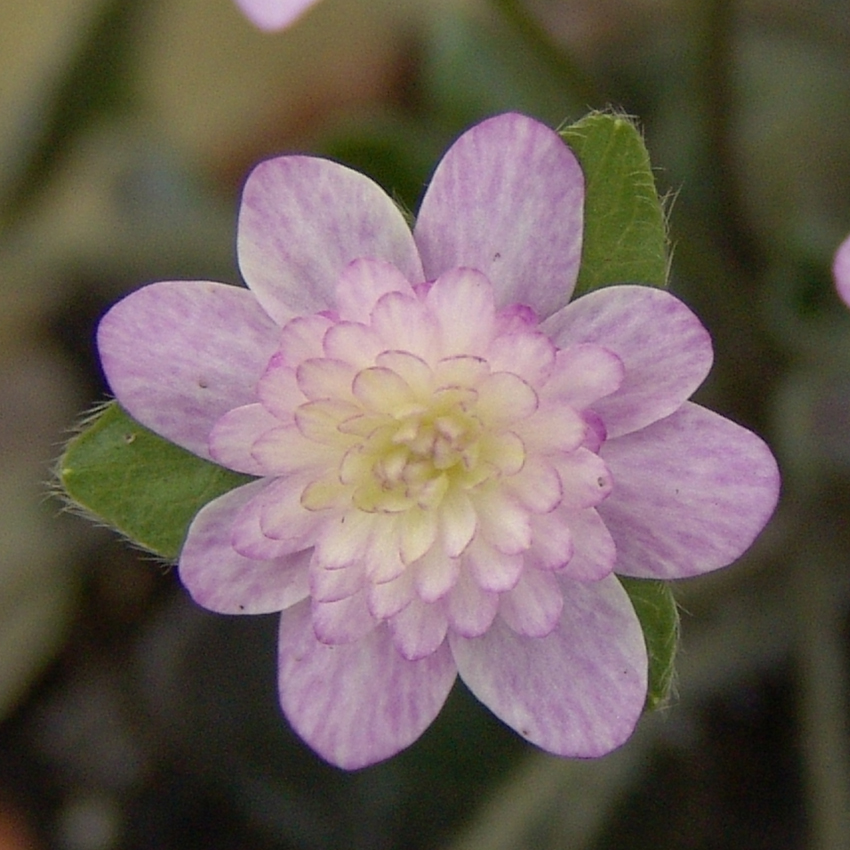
(134, 720)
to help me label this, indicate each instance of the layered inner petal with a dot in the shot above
(534, 606)
(362, 282)
(235, 433)
(419, 629)
(462, 302)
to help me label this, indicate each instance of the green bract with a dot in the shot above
(143, 486)
(625, 237)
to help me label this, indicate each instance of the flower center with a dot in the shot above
(418, 454)
(410, 439)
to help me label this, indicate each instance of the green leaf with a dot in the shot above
(659, 616)
(138, 483)
(625, 234)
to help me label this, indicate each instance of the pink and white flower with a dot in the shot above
(273, 14)
(841, 270)
(452, 461)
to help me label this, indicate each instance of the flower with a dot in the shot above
(452, 460)
(841, 270)
(273, 14)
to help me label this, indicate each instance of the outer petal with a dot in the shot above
(665, 350)
(507, 199)
(273, 14)
(690, 494)
(179, 354)
(302, 220)
(360, 703)
(221, 580)
(576, 692)
(841, 270)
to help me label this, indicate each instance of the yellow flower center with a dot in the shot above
(406, 446)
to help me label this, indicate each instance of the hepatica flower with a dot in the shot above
(452, 461)
(841, 270)
(273, 14)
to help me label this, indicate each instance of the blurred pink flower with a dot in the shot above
(273, 14)
(841, 270)
(452, 459)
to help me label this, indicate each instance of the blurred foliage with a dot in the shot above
(97, 84)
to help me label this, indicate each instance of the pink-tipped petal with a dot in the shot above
(273, 14)
(388, 598)
(233, 435)
(507, 199)
(403, 322)
(462, 301)
(301, 339)
(222, 580)
(322, 377)
(583, 374)
(664, 347)
(354, 343)
(435, 575)
(384, 563)
(278, 391)
(505, 398)
(283, 517)
(537, 486)
(534, 606)
(458, 522)
(841, 271)
(585, 479)
(577, 692)
(503, 522)
(594, 551)
(493, 570)
(360, 703)
(362, 283)
(346, 539)
(332, 585)
(247, 537)
(284, 451)
(553, 541)
(303, 220)
(418, 530)
(419, 629)
(342, 621)
(470, 608)
(179, 354)
(530, 355)
(713, 483)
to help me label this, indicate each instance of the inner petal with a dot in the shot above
(382, 390)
